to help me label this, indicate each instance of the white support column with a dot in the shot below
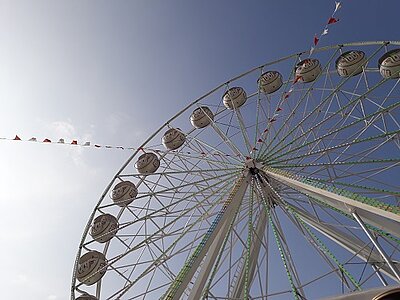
(208, 263)
(238, 291)
(376, 244)
(351, 244)
(211, 241)
(381, 219)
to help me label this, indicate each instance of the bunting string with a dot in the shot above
(75, 143)
(317, 37)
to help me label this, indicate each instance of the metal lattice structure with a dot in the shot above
(285, 185)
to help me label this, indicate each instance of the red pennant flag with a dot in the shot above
(255, 149)
(227, 155)
(286, 95)
(266, 130)
(259, 141)
(297, 78)
(16, 138)
(203, 153)
(272, 120)
(316, 40)
(74, 142)
(332, 21)
(247, 157)
(46, 141)
(278, 109)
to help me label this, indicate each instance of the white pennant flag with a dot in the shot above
(325, 32)
(338, 5)
(86, 144)
(312, 50)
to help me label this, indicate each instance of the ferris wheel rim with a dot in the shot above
(193, 103)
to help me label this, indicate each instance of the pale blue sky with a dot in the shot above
(111, 72)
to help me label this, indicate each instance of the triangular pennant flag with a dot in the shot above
(272, 120)
(259, 141)
(332, 21)
(286, 95)
(316, 40)
(312, 50)
(86, 144)
(74, 142)
(120, 147)
(46, 141)
(108, 146)
(266, 130)
(338, 6)
(97, 146)
(61, 141)
(248, 157)
(33, 139)
(278, 109)
(297, 78)
(255, 149)
(16, 138)
(325, 32)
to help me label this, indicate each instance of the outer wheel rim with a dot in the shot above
(232, 160)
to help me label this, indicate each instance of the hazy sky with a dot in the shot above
(111, 72)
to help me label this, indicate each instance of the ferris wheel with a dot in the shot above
(281, 183)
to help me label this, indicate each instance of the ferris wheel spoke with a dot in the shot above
(319, 105)
(297, 106)
(141, 220)
(322, 250)
(313, 152)
(243, 130)
(351, 142)
(393, 106)
(353, 245)
(338, 129)
(177, 287)
(281, 100)
(160, 258)
(383, 216)
(215, 150)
